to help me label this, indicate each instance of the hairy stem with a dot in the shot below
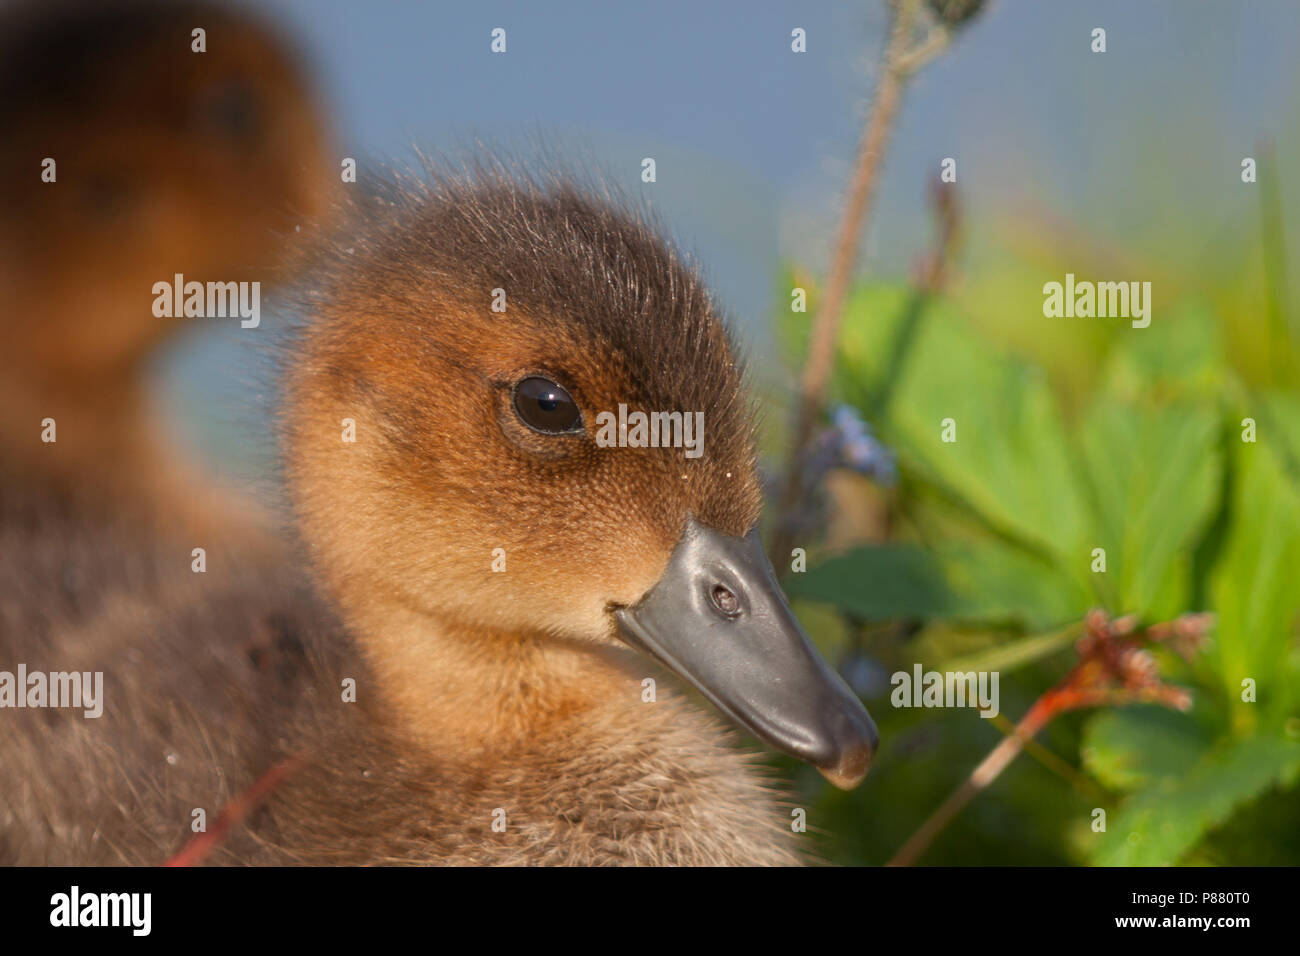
(825, 332)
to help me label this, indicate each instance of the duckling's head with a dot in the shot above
(166, 159)
(464, 442)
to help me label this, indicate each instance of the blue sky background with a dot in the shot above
(753, 142)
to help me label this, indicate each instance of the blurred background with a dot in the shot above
(1073, 433)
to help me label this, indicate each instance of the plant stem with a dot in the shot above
(1052, 762)
(1108, 673)
(197, 849)
(987, 771)
(825, 332)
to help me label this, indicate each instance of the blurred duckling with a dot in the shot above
(126, 158)
(473, 676)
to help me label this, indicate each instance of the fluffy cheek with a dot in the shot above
(577, 603)
(561, 587)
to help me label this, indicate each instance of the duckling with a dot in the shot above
(125, 158)
(473, 671)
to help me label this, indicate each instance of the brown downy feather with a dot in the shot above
(479, 693)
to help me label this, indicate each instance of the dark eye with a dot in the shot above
(546, 407)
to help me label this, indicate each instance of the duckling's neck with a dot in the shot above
(458, 692)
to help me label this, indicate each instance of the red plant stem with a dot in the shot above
(202, 844)
(988, 770)
(1060, 698)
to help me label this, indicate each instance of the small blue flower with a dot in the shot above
(858, 449)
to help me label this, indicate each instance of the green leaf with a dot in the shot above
(999, 582)
(986, 582)
(1011, 461)
(908, 363)
(879, 583)
(1278, 426)
(1180, 355)
(1009, 655)
(1162, 822)
(1155, 476)
(1253, 584)
(1133, 747)
(872, 337)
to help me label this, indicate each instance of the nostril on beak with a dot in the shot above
(725, 601)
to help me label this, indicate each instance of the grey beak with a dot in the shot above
(718, 618)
